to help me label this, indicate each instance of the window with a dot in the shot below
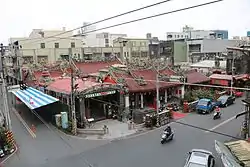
(73, 45)
(142, 43)
(56, 45)
(42, 45)
(170, 36)
(178, 36)
(106, 42)
(105, 35)
(181, 36)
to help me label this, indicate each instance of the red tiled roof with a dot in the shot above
(195, 77)
(53, 74)
(93, 67)
(64, 85)
(221, 77)
(150, 78)
(241, 76)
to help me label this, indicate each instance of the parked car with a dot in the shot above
(206, 106)
(226, 100)
(200, 158)
(236, 93)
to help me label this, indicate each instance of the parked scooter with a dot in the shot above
(165, 137)
(2, 153)
(217, 115)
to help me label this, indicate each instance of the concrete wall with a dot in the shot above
(217, 45)
(180, 52)
(134, 48)
(51, 54)
(213, 45)
(35, 39)
(100, 39)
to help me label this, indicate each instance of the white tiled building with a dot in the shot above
(40, 45)
(103, 39)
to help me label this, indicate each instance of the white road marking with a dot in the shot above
(222, 123)
(25, 124)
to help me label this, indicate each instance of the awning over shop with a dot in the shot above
(34, 98)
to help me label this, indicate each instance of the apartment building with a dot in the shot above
(133, 48)
(190, 33)
(103, 39)
(48, 45)
(207, 49)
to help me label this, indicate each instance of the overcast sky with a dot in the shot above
(21, 16)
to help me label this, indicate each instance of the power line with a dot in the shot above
(149, 17)
(191, 84)
(178, 122)
(109, 18)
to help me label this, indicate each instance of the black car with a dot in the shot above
(226, 100)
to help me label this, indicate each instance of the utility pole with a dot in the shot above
(232, 82)
(72, 98)
(157, 96)
(4, 91)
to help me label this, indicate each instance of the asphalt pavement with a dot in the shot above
(49, 143)
(145, 150)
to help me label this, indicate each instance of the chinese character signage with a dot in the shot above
(100, 94)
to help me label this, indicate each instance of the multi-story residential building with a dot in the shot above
(133, 48)
(207, 49)
(220, 34)
(177, 35)
(48, 45)
(174, 52)
(103, 39)
(190, 33)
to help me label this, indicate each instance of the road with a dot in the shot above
(49, 144)
(146, 150)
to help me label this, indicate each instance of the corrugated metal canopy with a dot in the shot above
(34, 98)
(241, 149)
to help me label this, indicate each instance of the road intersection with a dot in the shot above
(50, 149)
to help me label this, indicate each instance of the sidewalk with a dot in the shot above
(116, 129)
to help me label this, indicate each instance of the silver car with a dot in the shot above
(200, 158)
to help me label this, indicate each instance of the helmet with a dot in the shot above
(168, 126)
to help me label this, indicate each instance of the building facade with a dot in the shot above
(190, 33)
(100, 39)
(221, 34)
(173, 51)
(207, 49)
(48, 46)
(133, 48)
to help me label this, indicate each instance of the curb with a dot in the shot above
(130, 136)
(9, 156)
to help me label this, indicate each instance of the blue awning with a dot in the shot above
(34, 98)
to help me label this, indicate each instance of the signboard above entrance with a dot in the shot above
(175, 78)
(100, 94)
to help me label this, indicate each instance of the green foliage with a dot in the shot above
(198, 94)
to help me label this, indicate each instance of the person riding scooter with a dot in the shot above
(168, 130)
(217, 113)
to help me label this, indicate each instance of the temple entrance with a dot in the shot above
(102, 105)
